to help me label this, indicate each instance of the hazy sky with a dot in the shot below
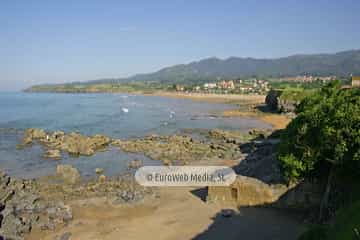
(59, 41)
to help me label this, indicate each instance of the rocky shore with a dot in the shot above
(23, 208)
(174, 149)
(46, 203)
(72, 143)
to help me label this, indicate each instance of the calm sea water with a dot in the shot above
(114, 115)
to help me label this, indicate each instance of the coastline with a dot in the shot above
(246, 105)
(211, 97)
(96, 217)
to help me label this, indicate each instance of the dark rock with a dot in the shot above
(227, 213)
(272, 100)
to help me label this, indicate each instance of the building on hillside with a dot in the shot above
(209, 85)
(355, 81)
(326, 78)
(197, 88)
(226, 84)
(179, 88)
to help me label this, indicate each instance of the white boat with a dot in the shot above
(125, 110)
(172, 114)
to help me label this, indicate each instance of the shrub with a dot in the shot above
(325, 134)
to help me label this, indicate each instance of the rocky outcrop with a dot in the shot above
(22, 208)
(175, 149)
(276, 102)
(260, 161)
(272, 100)
(72, 143)
(41, 203)
(32, 134)
(178, 149)
(78, 144)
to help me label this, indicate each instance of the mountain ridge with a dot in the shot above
(341, 63)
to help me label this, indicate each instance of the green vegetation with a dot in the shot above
(323, 142)
(296, 91)
(324, 134)
(276, 84)
(346, 226)
(144, 87)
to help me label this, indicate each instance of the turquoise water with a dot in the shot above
(115, 115)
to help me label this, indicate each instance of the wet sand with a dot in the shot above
(278, 121)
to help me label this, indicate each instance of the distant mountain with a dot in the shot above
(339, 64)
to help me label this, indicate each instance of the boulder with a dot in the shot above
(246, 191)
(77, 144)
(99, 170)
(276, 102)
(102, 178)
(68, 173)
(272, 100)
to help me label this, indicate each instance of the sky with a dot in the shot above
(78, 40)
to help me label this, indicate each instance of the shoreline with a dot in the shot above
(95, 218)
(246, 104)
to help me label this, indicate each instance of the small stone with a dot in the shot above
(102, 178)
(99, 170)
(227, 213)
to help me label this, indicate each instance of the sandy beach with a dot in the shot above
(177, 214)
(246, 103)
(173, 213)
(215, 98)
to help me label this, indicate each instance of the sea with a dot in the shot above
(121, 116)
